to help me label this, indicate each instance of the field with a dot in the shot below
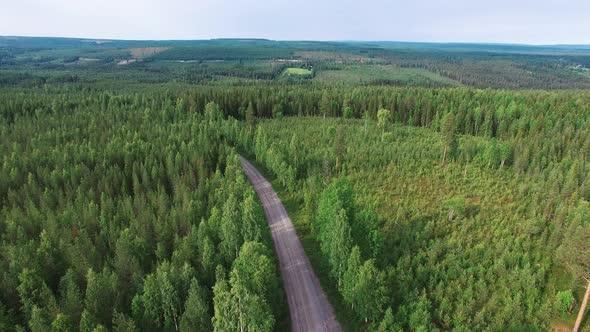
(297, 72)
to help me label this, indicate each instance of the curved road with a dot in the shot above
(308, 306)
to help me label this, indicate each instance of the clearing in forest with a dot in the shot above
(142, 52)
(301, 72)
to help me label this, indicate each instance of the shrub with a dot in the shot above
(564, 301)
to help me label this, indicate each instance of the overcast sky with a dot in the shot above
(505, 21)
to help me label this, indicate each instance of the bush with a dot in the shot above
(564, 301)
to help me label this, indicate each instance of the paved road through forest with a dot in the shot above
(308, 306)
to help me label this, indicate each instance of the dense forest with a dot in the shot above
(425, 199)
(127, 212)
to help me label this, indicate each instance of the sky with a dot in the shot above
(493, 21)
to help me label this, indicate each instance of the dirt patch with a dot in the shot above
(146, 51)
(288, 60)
(559, 326)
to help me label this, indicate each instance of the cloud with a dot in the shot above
(525, 21)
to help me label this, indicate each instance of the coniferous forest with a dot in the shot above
(433, 190)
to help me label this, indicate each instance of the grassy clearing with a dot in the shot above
(492, 249)
(143, 52)
(383, 74)
(301, 72)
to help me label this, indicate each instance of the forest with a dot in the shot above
(132, 217)
(433, 187)
(33, 62)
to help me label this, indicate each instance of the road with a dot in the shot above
(308, 305)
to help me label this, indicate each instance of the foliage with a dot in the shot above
(563, 302)
(433, 266)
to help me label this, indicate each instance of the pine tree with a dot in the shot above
(196, 316)
(224, 318)
(388, 323)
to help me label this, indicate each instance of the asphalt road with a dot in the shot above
(308, 306)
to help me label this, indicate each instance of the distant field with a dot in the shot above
(385, 74)
(585, 72)
(297, 72)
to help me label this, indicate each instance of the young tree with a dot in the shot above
(253, 283)
(564, 302)
(456, 206)
(366, 121)
(371, 292)
(339, 148)
(213, 113)
(350, 279)
(383, 119)
(388, 323)
(505, 152)
(123, 323)
(196, 316)
(251, 217)
(61, 323)
(366, 233)
(278, 110)
(161, 296)
(325, 104)
(71, 299)
(448, 132)
(39, 321)
(101, 295)
(337, 195)
(296, 152)
(230, 229)
(250, 118)
(170, 301)
(347, 112)
(224, 309)
(87, 322)
(340, 243)
(419, 315)
(33, 292)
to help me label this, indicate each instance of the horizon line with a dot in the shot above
(304, 40)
